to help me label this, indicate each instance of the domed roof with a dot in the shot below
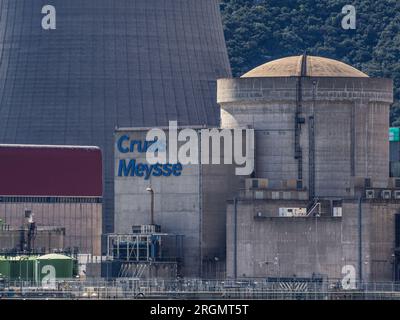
(304, 65)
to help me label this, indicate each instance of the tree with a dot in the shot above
(258, 31)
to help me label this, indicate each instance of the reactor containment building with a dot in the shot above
(321, 201)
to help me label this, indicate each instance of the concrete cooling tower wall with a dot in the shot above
(72, 72)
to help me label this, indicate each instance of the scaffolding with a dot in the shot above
(144, 253)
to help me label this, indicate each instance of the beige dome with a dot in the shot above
(314, 67)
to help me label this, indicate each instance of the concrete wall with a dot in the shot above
(81, 220)
(219, 183)
(351, 117)
(192, 204)
(177, 206)
(274, 246)
(271, 246)
(378, 237)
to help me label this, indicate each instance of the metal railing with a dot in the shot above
(130, 288)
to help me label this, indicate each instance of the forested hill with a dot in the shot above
(258, 31)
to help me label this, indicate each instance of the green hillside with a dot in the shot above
(258, 31)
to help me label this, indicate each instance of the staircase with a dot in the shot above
(132, 270)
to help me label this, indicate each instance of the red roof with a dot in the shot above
(30, 170)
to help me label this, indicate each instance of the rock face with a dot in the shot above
(72, 74)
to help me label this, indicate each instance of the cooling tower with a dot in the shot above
(71, 73)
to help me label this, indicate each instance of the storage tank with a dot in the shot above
(4, 267)
(38, 268)
(318, 122)
(18, 268)
(56, 266)
(73, 71)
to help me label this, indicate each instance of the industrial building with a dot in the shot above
(190, 203)
(323, 197)
(320, 201)
(47, 188)
(99, 64)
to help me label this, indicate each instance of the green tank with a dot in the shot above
(4, 267)
(54, 266)
(38, 268)
(18, 268)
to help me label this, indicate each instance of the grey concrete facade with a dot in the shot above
(350, 128)
(108, 63)
(273, 246)
(321, 142)
(192, 204)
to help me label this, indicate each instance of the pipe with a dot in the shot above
(235, 239)
(149, 189)
(152, 207)
(360, 277)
